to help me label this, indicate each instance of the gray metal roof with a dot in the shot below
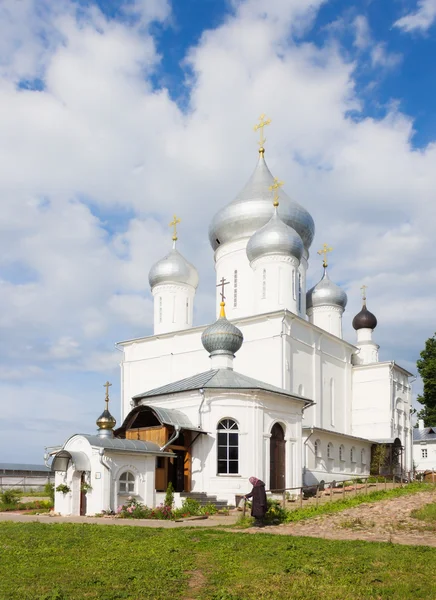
(121, 445)
(217, 379)
(23, 467)
(428, 434)
(62, 458)
(172, 416)
(337, 433)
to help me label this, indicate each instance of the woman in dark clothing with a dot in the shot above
(258, 503)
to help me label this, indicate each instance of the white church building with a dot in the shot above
(271, 389)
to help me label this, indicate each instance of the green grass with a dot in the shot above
(426, 513)
(74, 562)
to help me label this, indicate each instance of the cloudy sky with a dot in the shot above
(114, 115)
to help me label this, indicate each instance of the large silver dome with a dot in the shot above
(173, 268)
(326, 293)
(253, 208)
(222, 338)
(275, 238)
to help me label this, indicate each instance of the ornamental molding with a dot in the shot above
(274, 258)
(326, 308)
(172, 287)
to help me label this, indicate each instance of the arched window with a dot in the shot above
(235, 289)
(294, 294)
(126, 483)
(332, 401)
(363, 456)
(299, 292)
(160, 309)
(264, 284)
(228, 447)
(317, 447)
(330, 450)
(341, 452)
(353, 454)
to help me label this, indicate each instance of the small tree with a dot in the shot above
(169, 496)
(378, 459)
(427, 369)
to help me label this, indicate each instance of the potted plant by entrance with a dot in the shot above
(63, 488)
(85, 487)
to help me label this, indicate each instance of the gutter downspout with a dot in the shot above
(177, 430)
(305, 454)
(200, 407)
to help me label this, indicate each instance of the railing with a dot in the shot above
(356, 485)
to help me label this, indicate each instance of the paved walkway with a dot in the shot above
(215, 521)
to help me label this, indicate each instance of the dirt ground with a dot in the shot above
(383, 521)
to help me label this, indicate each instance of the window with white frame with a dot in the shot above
(126, 483)
(317, 448)
(341, 452)
(423, 452)
(363, 456)
(228, 447)
(235, 289)
(330, 451)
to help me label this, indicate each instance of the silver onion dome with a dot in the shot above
(275, 238)
(252, 209)
(173, 268)
(326, 293)
(222, 337)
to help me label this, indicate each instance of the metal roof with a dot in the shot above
(428, 434)
(23, 467)
(124, 445)
(79, 460)
(218, 379)
(338, 433)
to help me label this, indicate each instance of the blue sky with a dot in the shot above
(115, 115)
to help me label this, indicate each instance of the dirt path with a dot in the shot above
(383, 521)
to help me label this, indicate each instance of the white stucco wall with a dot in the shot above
(422, 462)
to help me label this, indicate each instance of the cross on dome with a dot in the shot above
(221, 284)
(324, 250)
(262, 123)
(363, 290)
(174, 224)
(275, 187)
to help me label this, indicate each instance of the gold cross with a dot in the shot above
(262, 123)
(324, 251)
(276, 186)
(174, 224)
(107, 385)
(363, 290)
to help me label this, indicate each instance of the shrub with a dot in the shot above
(49, 489)
(208, 509)
(275, 513)
(169, 496)
(10, 497)
(133, 509)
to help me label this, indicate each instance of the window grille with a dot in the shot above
(126, 483)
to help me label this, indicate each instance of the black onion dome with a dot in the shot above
(364, 319)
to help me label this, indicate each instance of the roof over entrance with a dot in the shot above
(225, 379)
(157, 416)
(63, 458)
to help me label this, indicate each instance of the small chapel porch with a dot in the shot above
(170, 430)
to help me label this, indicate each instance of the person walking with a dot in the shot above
(258, 504)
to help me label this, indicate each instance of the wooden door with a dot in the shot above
(277, 458)
(82, 496)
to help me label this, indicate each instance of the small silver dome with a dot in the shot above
(326, 293)
(252, 209)
(275, 238)
(222, 337)
(173, 268)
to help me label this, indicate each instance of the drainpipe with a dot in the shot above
(175, 435)
(305, 454)
(200, 407)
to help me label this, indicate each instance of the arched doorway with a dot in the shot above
(277, 479)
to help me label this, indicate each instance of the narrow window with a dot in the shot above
(235, 289)
(174, 308)
(187, 311)
(330, 450)
(424, 453)
(294, 295)
(228, 447)
(332, 402)
(126, 483)
(264, 284)
(363, 456)
(353, 454)
(299, 292)
(341, 453)
(160, 309)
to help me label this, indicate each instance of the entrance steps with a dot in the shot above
(204, 499)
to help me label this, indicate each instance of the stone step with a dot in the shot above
(202, 498)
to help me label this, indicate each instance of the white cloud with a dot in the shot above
(95, 164)
(420, 20)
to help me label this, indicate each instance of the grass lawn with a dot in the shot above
(66, 561)
(426, 513)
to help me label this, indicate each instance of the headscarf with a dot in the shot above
(253, 480)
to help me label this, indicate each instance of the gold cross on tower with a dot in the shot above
(107, 385)
(324, 251)
(363, 290)
(174, 224)
(262, 123)
(221, 284)
(276, 186)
